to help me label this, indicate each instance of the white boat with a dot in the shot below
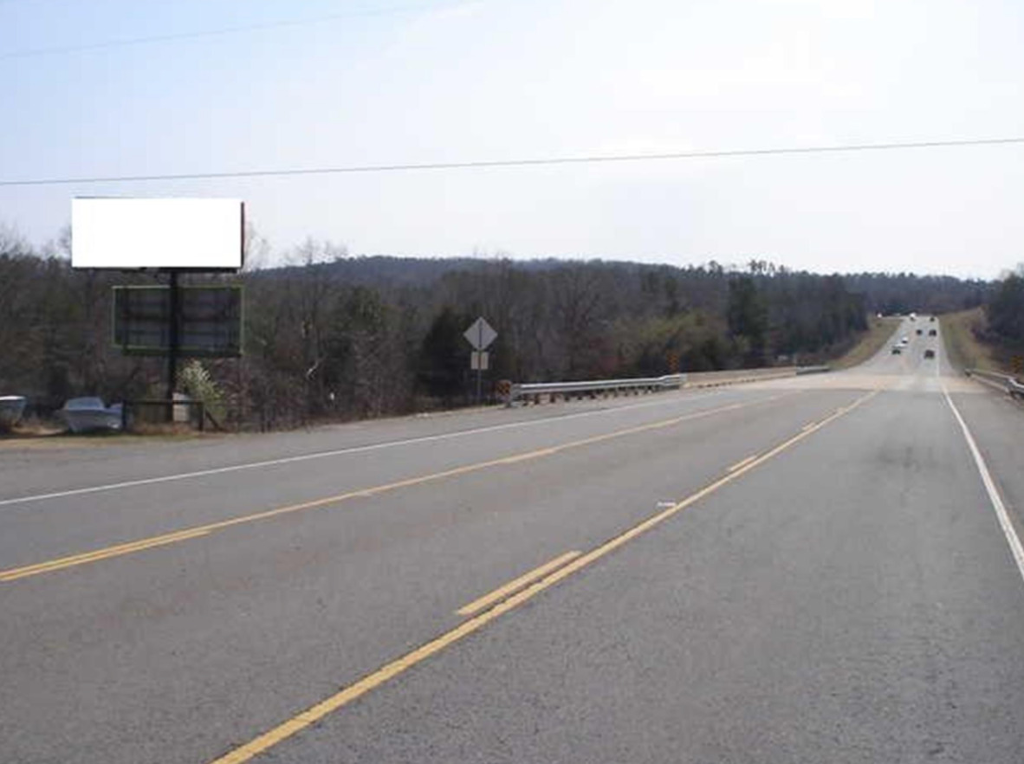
(11, 408)
(89, 414)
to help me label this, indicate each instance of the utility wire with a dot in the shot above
(220, 32)
(1016, 140)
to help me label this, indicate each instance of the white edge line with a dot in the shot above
(993, 494)
(339, 452)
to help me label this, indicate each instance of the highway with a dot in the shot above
(822, 568)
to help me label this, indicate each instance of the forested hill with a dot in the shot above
(883, 292)
(366, 336)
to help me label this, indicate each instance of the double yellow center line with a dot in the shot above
(119, 550)
(506, 598)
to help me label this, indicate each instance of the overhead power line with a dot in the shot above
(241, 29)
(533, 162)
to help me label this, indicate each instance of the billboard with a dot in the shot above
(161, 234)
(209, 320)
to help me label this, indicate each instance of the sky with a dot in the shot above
(114, 87)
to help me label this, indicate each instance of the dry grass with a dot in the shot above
(31, 427)
(874, 339)
(963, 334)
(35, 434)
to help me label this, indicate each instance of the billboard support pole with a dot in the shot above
(172, 343)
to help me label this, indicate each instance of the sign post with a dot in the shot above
(480, 335)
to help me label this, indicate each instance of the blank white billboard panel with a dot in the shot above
(156, 233)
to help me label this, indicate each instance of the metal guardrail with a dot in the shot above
(1005, 381)
(534, 391)
(812, 369)
(591, 387)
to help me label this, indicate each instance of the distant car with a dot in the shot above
(904, 340)
(896, 350)
(920, 331)
(932, 333)
(929, 353)
(931, 318)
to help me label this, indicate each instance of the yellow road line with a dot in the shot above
(742, 463)
(389, 671)
(100, 554)
(515, 585)
(118, 550)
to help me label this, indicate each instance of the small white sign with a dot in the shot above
(479, 360)
(480, 334)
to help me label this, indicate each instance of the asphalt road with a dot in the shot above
(811, 569)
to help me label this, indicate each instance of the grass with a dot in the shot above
(870, 342)
(962, 333)
(34, 433)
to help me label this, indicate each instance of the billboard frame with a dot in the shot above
(174, 347)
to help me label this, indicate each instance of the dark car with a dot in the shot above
(920, 331)
(896, 350)
(932, 332)
(929, 353)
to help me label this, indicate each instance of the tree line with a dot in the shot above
(1005, 311)
(337, 337)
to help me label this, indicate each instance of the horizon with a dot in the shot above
(288, 258)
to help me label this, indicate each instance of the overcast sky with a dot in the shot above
(416, 82)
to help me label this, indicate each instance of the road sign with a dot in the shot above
(479, 360)
(480, 334)
(209, 320)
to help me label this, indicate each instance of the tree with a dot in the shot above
(748, 317)
(443, 356)
(1005, 311)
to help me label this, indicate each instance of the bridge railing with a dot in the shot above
(590, 388)
(997, 379)
(535, 392)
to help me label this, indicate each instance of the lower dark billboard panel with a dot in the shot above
(209, 320)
